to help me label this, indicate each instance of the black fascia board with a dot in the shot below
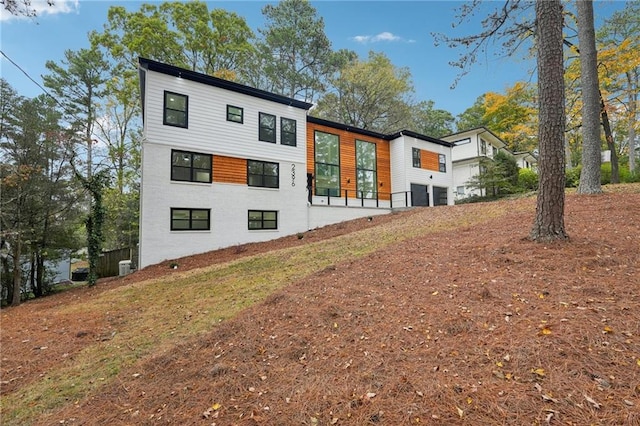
(340, 126)
(421, 137)
(167, 69)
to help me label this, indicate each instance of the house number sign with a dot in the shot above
(293, 174)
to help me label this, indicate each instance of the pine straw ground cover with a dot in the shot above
(438, 316)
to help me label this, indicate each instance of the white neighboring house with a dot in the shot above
(469, 148)
(226, 164)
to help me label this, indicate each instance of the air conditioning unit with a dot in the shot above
(124, 268)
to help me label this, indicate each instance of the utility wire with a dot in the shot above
(31, 78)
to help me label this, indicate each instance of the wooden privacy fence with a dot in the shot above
(108, 264)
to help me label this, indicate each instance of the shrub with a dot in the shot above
(527, 180)
(572, 177)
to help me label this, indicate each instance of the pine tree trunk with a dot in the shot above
(549, 220)
(17, 272)
(632, 80)
(591, 101)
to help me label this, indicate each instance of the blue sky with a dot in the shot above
(400, 29)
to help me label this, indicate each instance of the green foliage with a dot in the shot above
(430, 121)
(94, 222)
(527, 180)
(498, 176)
(572, 176)
(294, 56)
(39, 199)
(371, 94)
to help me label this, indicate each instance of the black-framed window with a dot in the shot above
(366, 170)
(235, 114)
(415, 154)
(185, 219)
(175, 109)
(327, 159)
(190, 166)
(263, 173)
(287, 131)
(263, 219)
(267, 131)
(439, 196)
(483, 147)
(442, 162)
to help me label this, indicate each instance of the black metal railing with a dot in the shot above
(396, 199)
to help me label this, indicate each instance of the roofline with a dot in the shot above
(484, 129)
(421, 137)
(346, 127)
(167, 69)
(371, 133)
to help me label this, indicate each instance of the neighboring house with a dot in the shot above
(226, 164)
(526, 160)
(469, 148)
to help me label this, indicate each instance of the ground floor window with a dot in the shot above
(439, 196)
(183, 219)
(263, 219)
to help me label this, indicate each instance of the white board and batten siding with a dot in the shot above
(209, 132)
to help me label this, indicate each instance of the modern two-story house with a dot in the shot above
(470, 147)
(226, 164)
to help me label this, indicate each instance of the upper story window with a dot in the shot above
(327, 159)
(483, 147)
(287, 131)
(442, 162)
(235, 114)
(267, 130)
(262, 173)
(366, 174)
(190, 166)
(415, 154)
(175, 109)
(183, 219)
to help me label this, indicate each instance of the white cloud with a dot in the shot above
(383, 36)
(41, 8)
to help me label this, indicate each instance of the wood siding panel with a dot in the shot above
(429, 160)
(348, 180)
(229, 170)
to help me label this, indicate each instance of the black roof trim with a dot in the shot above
(345, 127)
(371, 133)
(484, 129)
(219, 82)
(420, 136)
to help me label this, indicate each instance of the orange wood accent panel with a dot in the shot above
(429, 160)
(348, 180)
(229, 169)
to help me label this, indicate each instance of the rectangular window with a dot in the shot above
(327, 158)
(263, 219)
(235, 114)
(262, 173)
(267, 130)
(415, 153)
(190, 219)
(190, 166)
(439, 196)
(287, 131)
(367, 177)
(483, 147)
(460, 190)
(175, 109)
(442, 162)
